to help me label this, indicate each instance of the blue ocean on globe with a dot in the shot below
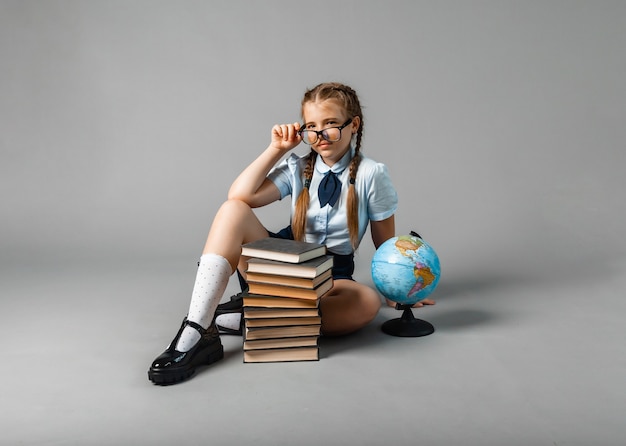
(405, 269)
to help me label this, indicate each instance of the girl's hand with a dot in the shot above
(421, 303)
(285, 136)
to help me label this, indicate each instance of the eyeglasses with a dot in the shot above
(330, 134)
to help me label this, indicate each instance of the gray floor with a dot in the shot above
(515, 359)
(502, 124)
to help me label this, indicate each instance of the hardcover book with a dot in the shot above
(297, 282)
(287, 313)
(302, 341)
(262, 301)
(290, 331)
(290, 291)
(282, 354)
(284, 250)
(283, 321)
(308, 269)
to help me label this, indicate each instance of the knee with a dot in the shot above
(235, 204)
(365, 308)
(234, 207)
(370, 305)
(347, 312)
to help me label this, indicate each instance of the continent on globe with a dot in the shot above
(424, 277)
(406, 243)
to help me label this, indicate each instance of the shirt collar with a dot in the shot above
(338, 167)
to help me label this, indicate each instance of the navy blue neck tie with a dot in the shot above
(329, 189)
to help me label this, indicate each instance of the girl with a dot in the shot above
(336, 192)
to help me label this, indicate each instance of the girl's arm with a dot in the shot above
(252, 185)
(383, 230)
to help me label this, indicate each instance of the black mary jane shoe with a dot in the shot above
(235, 305)
(173, 366)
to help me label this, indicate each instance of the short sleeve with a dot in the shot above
(382, 196)
(282, 176)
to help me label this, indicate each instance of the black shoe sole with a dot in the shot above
(229, 331)
(166, 378)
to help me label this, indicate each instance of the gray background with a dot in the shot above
(123, 123)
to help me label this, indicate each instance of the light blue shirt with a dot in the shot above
(377, 197)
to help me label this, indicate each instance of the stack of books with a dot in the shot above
(286, 281)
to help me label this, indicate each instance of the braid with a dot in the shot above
(353, 201)
(298, 223)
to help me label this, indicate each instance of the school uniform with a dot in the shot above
(328, 224)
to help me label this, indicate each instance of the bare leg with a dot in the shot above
(234, 224)
(348, 307)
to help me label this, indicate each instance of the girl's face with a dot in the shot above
(321, 115)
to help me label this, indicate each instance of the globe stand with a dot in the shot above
(407, 326)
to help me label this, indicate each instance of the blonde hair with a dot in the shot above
(348, 98)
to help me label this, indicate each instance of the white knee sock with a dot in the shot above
(229, 320)
(212, 278)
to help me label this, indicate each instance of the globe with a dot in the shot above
(405, 269)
